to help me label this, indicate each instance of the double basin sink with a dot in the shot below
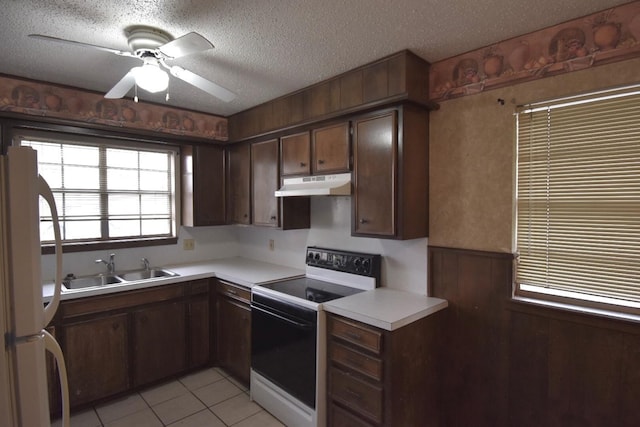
(117, 278)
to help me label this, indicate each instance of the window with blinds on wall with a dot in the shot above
(578, 201)
(106, 191)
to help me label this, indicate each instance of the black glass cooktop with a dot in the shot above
(312, 289)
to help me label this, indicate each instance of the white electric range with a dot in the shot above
(288, 332)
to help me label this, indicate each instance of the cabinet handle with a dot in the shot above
(354, 335)
(246, 215)
(273, 218)
(232, 291)
(321, 162)
(364, 221)
(302, 164)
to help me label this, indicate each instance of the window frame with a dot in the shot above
(111, 141)
(571, 300)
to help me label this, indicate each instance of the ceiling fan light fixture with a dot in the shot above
(151, 78)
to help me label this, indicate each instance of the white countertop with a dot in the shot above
(385, 308)
(243, 271)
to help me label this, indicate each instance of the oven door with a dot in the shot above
(283, 345)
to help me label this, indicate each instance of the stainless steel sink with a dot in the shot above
(114, 279)
(87, 282)
(153, 273)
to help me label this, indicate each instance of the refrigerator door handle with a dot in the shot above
(52, 346)
(47, 194)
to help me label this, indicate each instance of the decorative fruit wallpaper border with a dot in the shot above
(41, 99)
(607, 36)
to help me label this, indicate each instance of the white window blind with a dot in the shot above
(105, 191)
(578, 200)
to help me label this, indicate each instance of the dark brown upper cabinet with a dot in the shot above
(399, 77)
(391, 186)
(203, 185)
(330, 149)
(239, 184)
(295, 154)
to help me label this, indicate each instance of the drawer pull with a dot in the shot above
(354, 393)
(232, 291)
(354, 335)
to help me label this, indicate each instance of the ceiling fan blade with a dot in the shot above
(122, 87)
(202, 83)
(75, 43)
(185, 45)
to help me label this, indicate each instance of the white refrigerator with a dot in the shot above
(23, 314)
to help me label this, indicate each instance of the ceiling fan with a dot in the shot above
(154, 47)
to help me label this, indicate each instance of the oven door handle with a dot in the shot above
(298, 325)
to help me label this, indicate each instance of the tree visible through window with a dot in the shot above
(105, 191)
(578, 200)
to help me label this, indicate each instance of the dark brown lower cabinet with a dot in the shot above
(199, 332)
(117, 342)
(159, 342)
(382, 378)
(233, 335)
(97, 356)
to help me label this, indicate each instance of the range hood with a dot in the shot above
(320, 185)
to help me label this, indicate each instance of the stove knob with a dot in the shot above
(357, 262)
(310, 255)
(317, 256)
(366, 264)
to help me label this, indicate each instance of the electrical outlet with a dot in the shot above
(188, 244)
(272, 244)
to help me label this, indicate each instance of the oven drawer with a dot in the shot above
(358, 335)
(360, 396)
(356, 361)
(234, 291)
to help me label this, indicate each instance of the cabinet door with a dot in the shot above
(264, 176)
(239, 184)
(295, 154)
(199, 331)
(234, 337)
(331, 149)
(97, 357)
(203, 201)
(160, 344)
(375, 159)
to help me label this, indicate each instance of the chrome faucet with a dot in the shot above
(145, 264)
(111, 265)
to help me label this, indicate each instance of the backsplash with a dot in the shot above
(404, 263)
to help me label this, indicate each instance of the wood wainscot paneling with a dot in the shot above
(473, 381)
(507, 363)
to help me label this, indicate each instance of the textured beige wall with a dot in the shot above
(472, 146)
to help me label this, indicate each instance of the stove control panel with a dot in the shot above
(344, 261)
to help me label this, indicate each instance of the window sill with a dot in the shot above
(114, 244)
(575, 313)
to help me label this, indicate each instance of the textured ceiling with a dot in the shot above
(264, 48)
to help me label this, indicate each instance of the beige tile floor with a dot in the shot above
(209, 398)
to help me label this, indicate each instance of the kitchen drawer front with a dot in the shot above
(339, 417)
(359, 362)
(234, 291)
(356, 334)
(362, 397)
(199, 287)
(122, 300)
